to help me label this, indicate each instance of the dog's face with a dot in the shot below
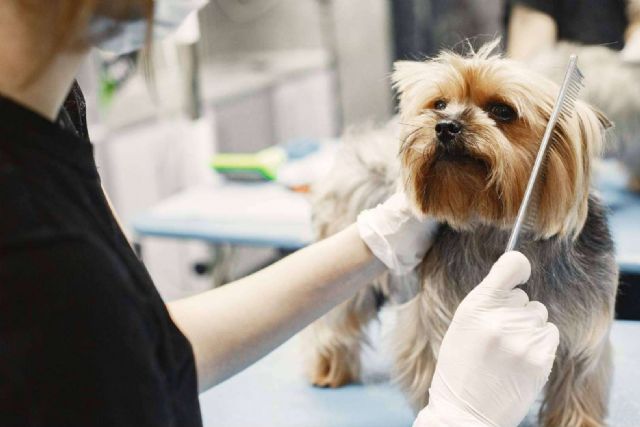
(471, 128)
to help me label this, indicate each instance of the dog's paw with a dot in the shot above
(332, 370)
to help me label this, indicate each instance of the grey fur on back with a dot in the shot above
(574, 279)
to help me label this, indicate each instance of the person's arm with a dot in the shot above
(531, 31)
(233, 326)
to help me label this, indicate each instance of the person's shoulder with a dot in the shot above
(30, 210)
(33, 207)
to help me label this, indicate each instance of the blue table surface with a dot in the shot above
(251, 214)
(181, 216)
(274, 392)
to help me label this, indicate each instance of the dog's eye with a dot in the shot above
(501, 112)
(440, 104)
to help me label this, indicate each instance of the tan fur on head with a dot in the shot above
(483, 181)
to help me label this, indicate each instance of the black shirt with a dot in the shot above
(85, 339)
(590, 22)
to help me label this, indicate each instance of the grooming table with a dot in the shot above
(275, 393)
(251, 214)
(266, 214)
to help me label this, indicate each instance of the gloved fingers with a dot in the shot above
(517, 298)
(515, 313)
(487, 298)
(527, 318)
(543, 345)
(538, 311)
(395, 235)
(398, 203)
(511, 269)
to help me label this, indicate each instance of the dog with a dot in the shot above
(462, 148)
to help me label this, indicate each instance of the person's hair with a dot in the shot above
(68, 20)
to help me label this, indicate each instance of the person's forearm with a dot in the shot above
(233, 326)
(530, 32)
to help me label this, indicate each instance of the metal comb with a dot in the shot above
(565, 103)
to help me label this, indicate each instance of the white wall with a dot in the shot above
(362, 39)
(287, 24)
(363, 34)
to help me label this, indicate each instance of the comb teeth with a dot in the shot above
(575, 83)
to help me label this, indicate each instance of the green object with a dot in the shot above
(108, 88)
(261, 165)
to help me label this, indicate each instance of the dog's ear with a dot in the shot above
(591, 123)
(578, 143)
(407, 78)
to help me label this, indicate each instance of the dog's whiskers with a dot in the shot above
(405, 141)
(410, 124)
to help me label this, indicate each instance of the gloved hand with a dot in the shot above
(496, 356)
(395, 235)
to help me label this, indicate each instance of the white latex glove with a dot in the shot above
(395, 235)
(496, 356)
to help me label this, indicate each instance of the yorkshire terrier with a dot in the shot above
(469, 129)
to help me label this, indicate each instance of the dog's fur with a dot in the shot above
(474, 188)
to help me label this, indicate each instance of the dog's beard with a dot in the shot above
(482, 177)
(477, 177)
(452, 184)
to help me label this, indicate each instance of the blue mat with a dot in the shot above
(275, 393)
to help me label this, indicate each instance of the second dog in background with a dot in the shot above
(467, 135)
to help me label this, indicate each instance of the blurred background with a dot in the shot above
(245, 75)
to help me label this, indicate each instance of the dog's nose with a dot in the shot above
(447, 130)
